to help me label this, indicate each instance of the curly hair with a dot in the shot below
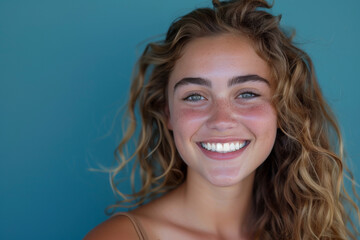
(298, 191)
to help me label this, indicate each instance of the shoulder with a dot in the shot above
(116, 227)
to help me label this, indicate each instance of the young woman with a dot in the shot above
(235, 132)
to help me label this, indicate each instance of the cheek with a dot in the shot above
(185, 123)
(257, 111)
(187, 117)
(259, 118)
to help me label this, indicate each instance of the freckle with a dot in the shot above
(222, 103)
(255, 111)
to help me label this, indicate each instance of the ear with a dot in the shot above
(167, 117)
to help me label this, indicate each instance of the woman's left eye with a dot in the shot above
(194, 98)
(247, 95)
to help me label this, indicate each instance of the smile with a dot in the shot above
(224, 147)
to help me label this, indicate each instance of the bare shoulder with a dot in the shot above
(154, 218)
(116, 227)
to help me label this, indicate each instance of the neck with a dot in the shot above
(221, 210)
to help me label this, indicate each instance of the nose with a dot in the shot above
(222, 116)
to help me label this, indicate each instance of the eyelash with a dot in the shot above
(199, 97)
(188, 98)
(247, 95)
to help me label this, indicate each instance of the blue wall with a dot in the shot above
(64, 72)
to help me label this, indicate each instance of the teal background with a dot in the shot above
(65, 67)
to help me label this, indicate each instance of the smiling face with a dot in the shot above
(220, 110)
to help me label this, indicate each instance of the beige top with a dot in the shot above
(138, 228)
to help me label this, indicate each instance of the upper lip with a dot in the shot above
(223, 140)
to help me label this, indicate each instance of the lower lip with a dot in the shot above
(222, 156)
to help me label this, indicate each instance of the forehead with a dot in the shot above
(218, 57)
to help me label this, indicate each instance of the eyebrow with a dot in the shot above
(246, 78)
(233, 81)
(193, 80)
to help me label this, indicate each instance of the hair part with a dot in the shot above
(299, 191)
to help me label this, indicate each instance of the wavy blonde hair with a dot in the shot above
(299, 191)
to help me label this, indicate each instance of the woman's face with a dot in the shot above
(220, 110)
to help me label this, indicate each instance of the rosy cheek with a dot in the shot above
(253, 115)
(257, 114)
(190, 115)
(186, 122)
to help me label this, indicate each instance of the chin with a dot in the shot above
(223, 182)
(229, 177)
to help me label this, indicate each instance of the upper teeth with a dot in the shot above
(223, 147)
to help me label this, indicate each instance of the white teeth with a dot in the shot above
(219, 147)
(232, 147)
(223, 147)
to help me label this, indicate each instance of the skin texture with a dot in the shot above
(222, 113)
(215, 199)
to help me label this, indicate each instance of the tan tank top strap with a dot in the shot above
(137, 225)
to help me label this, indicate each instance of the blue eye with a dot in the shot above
(248, 95)
(194, 98)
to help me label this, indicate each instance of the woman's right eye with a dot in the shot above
(194, 98)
